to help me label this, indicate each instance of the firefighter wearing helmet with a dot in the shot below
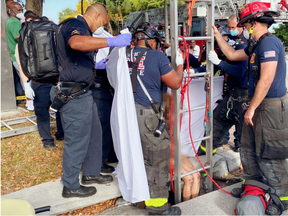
(264, 141)
(153, 68)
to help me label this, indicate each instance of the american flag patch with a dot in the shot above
(268, 54)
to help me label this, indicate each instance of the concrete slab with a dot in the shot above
(219, 164)
(6, 114)
(50, 193)
(232, 159)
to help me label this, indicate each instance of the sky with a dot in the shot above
(52, 8)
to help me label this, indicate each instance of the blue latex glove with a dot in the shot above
(101, 64)
(119, 41)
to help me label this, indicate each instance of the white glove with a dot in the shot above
(168, 51)
(214, 58)
(179, 58)
(29, 93)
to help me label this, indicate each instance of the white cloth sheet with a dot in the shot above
(197, 99)
(130, 170)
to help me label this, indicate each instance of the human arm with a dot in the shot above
(173, 79)
(267, 74)
(229, 52)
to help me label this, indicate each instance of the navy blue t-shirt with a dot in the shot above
(236, 70)
(269, 49)
(152, 66)
(80, 66)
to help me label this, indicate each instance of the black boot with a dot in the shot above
(102, 179)
(170, 211)
(49, 147)
(79, 192)
(236, 192)
(107, 169)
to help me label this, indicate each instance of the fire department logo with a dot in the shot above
(252, 60)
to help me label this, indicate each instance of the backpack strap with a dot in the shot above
(135, 68)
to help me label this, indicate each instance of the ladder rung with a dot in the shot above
(52, 116)
(31, 120)
(6, 125)
(194, 109)
(200, 139)
(196, 74)
(195, 38)
(194, 171)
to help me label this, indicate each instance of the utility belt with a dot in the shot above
(274, 102)
(66, 91)
(238, 94)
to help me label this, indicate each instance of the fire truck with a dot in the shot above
(223, 9)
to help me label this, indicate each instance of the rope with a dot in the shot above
(185, 90)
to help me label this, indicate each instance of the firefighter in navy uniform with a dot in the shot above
(82, 128)
(154, 68)
(229, 111)
(264, 141)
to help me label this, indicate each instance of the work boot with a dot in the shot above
(107, 168)
(170, 211)
(236, 192)
(236, 146)
(79, 192)
(49, 147)
(273, 209)
(102, 179)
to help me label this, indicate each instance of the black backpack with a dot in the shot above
(38, 51)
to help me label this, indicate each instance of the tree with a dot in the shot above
(68, 12)
(282, 34)
(35, 5)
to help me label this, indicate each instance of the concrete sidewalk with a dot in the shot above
(50, 193)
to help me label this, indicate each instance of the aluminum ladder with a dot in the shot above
(176, 93)
(22, 130)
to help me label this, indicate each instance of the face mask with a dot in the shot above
(234, 32)
(22, 20)
(99, 31)
(20, 16)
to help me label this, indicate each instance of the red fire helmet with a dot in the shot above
(257, 11)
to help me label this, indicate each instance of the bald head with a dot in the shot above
(96, 16)
(15, 8)
(232, 17)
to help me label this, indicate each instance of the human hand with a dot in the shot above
(212, 56)
(119, 41)
(179, 58)
(101, 64)
(216, 32)
(249, 116)
(29, 93)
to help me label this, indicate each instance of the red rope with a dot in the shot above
(185, 89)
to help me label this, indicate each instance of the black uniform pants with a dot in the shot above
(103, 99)
(41, 107)
(156, 153)
(83, 139)
(264, 146)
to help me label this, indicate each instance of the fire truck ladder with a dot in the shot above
(17, 130)
(176, 94)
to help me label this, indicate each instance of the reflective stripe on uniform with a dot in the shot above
(156, 202)
(284, 198)
(204, 149)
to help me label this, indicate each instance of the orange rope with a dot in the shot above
(190, 11)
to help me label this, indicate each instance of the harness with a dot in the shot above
(136, 77)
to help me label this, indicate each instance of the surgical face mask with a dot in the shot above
(20, 16)
(234, 32)
(99, 31)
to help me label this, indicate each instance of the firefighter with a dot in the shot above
(153, 69)
(229, 110)
(264, 141)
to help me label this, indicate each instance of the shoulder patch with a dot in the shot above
(75, 32)
(269, 54)
(252, 60)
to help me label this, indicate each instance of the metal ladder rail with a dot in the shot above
(176, 95)
(18, 131)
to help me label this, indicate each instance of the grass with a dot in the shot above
(25, 163)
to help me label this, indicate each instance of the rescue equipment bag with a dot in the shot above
(38, 51)
(255, 199)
